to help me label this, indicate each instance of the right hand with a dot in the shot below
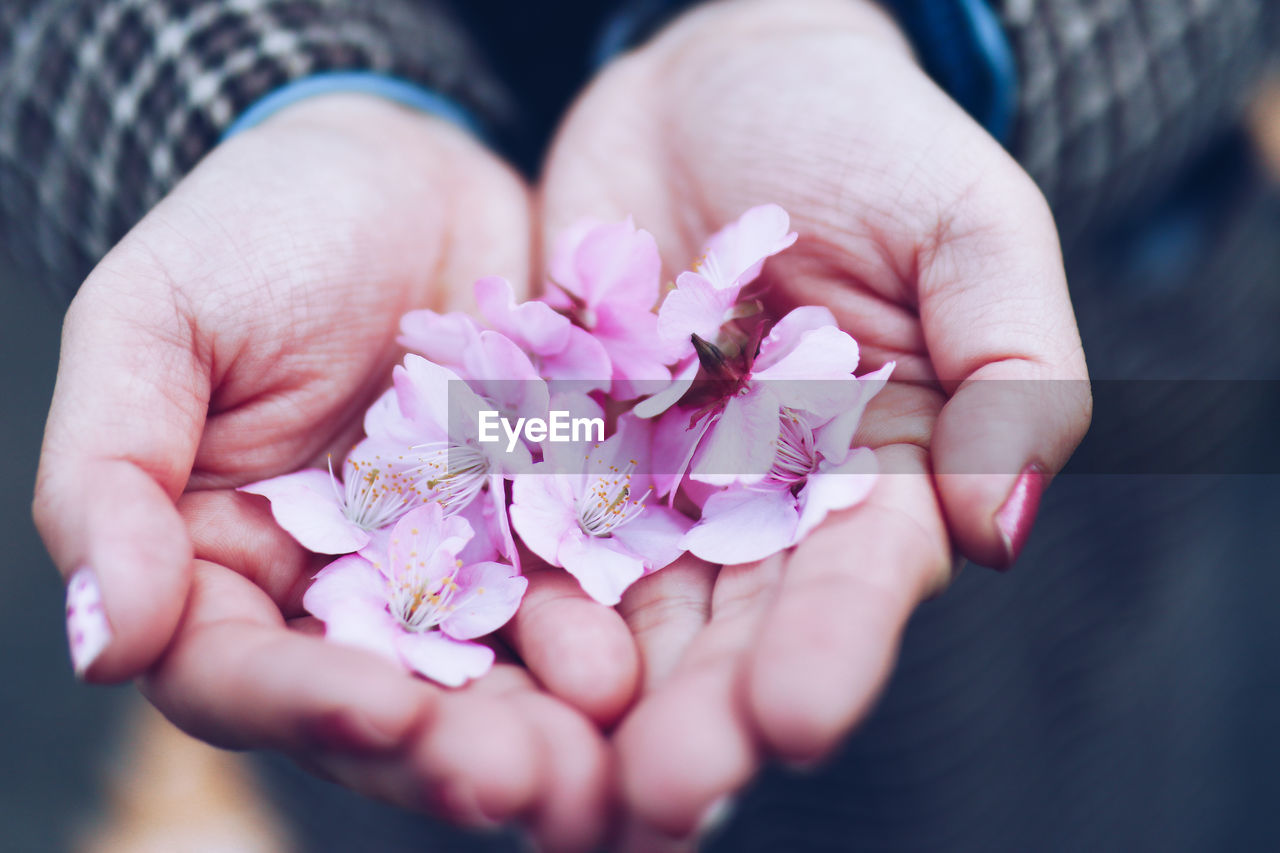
(237, 333)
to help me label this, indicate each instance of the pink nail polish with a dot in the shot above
(88, 631)
(1018, 513)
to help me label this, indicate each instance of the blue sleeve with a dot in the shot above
(361, 82)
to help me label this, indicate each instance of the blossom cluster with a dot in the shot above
(721, 433)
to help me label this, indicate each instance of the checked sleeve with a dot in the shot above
(106, 104)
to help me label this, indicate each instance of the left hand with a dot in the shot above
(933, 249)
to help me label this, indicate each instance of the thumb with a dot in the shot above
(1002, 335)
(127, 413)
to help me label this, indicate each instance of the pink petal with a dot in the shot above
(839, 487)
(743, 525)
(583, 360)
(442, 659)
(655, 535)
(490, 594)
(695, 307)
(834, 440)
(347, 579)
(441, 338)
(427, 543)
(674, 444)
(306, 505)
(739, 447)
(542, 511)
(534, 325)
(629, 338)
(485, 544)
(671, 393)
(604, 567)
(736, 253)
(349, 596)
(787, 333)
(423, 392)
(617, 263)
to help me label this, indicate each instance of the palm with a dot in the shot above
(819, 107)
(238, 333)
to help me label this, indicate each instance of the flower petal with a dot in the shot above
(306, 504)
(490, 595)
(604, 567)
(443, 659)
(350, 597)
(741, 525)
(674, 444)
(614, 262)
(695, 307)
(534, 325)
(584, 360)
(426, 544)
(736, 253)
(671, 393)
(739, 447)
(835, 438)
(441, 338)
(542, 511)
(654, 535)
(839, 487)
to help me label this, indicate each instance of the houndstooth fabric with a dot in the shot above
(1116, 96)
(105, 104)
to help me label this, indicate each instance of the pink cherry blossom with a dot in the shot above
(814, 472)
(443, 411)
(805, 364)
(555, 347)
(606, 277)
(591, 516)
(706, 298)
(331, 516)
(417, 603)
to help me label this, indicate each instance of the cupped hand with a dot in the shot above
(934, 250)
(236, 333)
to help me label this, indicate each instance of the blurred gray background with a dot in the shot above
(56, 732)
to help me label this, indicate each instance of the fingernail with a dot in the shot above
(1018, 513)
(88, 631)
(716, 816)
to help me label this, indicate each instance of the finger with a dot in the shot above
(665, 611)
(578, 649)
(689, 743)
(236, 677)
(126, 417)
(237, 530)
(575, 779)
(1002, 335)
(825, 650)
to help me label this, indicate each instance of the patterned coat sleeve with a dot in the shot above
(105, 104)
(1115, 96)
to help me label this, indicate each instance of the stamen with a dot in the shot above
(375, 497)
(420, 608)
(795, 458)
(452, 474)
(606, 504)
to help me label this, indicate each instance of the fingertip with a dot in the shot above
(996, 445)
(480, 761)
(580, 650)
(130, 577)
(683, 749)
(817, 671)
(577, 777)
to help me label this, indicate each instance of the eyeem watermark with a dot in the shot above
(559, 427)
